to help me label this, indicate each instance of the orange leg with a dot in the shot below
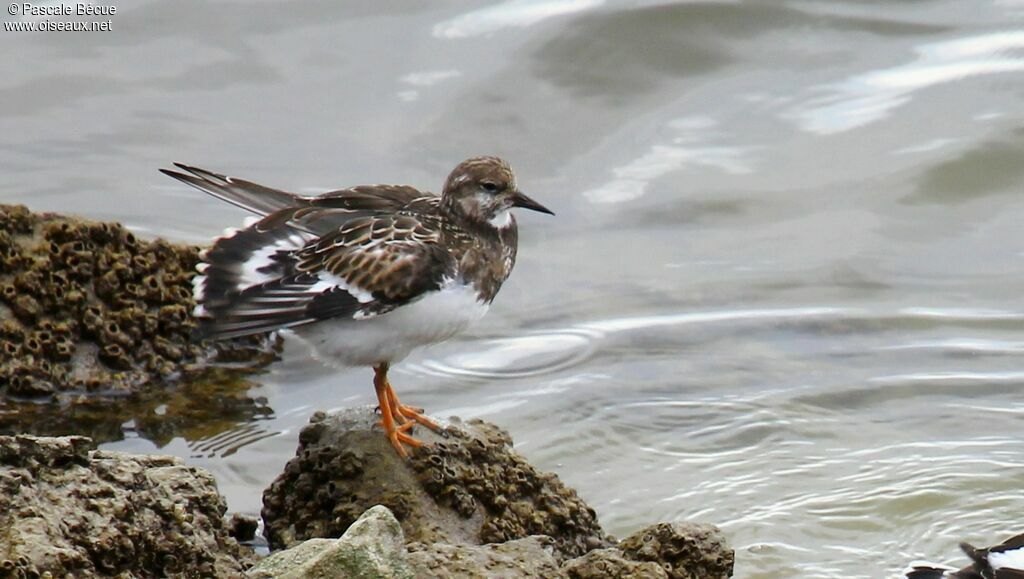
(395, 418)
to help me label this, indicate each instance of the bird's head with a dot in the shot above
(483, 189)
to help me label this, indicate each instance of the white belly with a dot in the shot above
(390, 337)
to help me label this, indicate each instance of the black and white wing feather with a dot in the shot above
(352, 253)
(1003, 561)
(367, 267)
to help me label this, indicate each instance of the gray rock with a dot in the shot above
(373, 547)
(611, 564)
(71, 510)
(467, 488)
(684, 550)
(243, 527)
(529, 557)
(469, 506)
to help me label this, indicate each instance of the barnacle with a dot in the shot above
(167, 349)
(115, 356)
(16, 219)
(26, 308)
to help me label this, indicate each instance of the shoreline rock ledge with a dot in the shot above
(69, 510)
(465, 505)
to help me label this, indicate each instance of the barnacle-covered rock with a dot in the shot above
(611, 563)
(17, 219)
(70, 510)
(684, 550)
(468, 506)
(467, 488)
(529, 557)
(477, 470)
(85, 304)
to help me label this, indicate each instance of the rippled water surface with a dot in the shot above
(782, 292)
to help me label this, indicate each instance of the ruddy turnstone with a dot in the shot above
(364, 274)
(1003, 561)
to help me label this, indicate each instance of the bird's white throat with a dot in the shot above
(501, 219)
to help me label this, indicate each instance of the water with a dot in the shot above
(781, 294)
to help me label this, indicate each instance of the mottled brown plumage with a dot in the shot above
(359, 254)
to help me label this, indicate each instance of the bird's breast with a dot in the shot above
(486, 267)
(434, 317)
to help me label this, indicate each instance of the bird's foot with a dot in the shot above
(401, 419)
(410, 415)
(399, 439)
(398, 419)
(403, 414)
(396, 430)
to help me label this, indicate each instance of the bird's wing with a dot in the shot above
(330, 211)
(317, 215)
(370, 197)
(1005, 560)
(369, 266)
(245, 194)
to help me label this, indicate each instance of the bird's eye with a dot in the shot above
(489, 186)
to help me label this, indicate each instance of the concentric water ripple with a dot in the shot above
(518, 357)
(837, 439)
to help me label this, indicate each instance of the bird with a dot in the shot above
(363, 274)
(1003, 561)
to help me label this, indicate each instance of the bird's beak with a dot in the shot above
(520, 199)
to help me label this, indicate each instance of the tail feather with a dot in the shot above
(245, 194)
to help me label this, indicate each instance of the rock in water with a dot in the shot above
(529, 557)
(684, 550)
(373, 547)
(469, 488)
(468, 505)
(611, 563)
(70, 510)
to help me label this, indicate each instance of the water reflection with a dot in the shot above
(419, 80)
(197, 410)
(690, 148)
(512, 13)
(988, 168)
(870, 97)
